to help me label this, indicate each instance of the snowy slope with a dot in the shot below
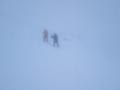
(34, 65)
(40, 66)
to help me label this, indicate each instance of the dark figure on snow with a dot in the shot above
(45, 36)
(55, 40)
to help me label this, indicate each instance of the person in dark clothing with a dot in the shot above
(55, 40)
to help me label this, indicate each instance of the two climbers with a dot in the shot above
(53, 36)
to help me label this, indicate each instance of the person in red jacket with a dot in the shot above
(45, 36)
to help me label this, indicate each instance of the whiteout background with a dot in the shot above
(89, 53)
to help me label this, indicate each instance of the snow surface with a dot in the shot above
(40, 66)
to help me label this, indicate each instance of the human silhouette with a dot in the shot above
(45, 36)
(55, 40)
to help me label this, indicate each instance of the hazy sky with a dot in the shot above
(94, 23)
